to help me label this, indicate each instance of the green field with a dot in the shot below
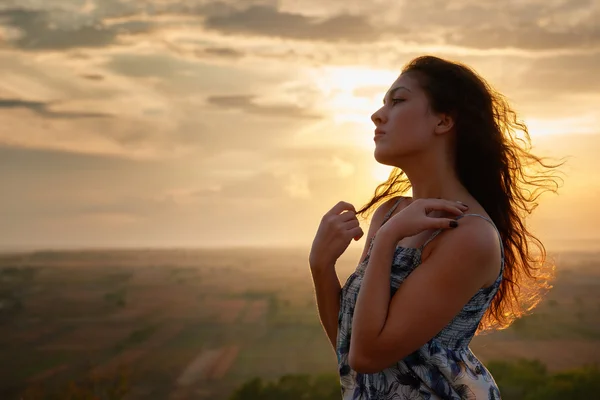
(197, 324)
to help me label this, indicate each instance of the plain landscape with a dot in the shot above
(183, 324)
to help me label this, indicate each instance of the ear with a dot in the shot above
(445, 124)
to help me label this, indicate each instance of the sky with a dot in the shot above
(202, 123)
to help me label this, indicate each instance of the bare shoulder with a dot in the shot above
(474, 239)
(480, 233)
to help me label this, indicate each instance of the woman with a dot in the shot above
(429, 279)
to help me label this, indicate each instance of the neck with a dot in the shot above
(434, 176)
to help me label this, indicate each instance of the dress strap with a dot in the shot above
(391, 210)
(433, 235)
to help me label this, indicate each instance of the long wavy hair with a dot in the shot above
(496, 166)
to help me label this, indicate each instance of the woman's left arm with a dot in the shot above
(386, 330)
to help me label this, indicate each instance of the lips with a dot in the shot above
(378, 134)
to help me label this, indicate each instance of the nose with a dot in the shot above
(378, 117)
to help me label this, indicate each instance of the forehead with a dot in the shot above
(407, 81)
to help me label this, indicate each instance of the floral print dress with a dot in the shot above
(443, 368)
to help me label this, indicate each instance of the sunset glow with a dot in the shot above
(121, 119)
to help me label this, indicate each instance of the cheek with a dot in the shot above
(408, 121)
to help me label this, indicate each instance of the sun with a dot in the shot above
(350, 96)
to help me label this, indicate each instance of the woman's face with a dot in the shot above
(405, 121)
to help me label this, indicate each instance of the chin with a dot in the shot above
(386, 158)
(394, 156)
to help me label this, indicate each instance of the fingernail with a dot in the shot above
(453, 224)
(463, 204)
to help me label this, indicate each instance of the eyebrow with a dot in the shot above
(394, 90)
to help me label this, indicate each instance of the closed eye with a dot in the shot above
(396, 101)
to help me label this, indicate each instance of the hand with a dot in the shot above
(414, 218)
(333, 237)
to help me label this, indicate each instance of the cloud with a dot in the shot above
(264, 20)
(246, 103)
(565, 74)
(93, 77)
(261, 186)
(37, 32)
(152, 137)
(226, 52)
(41, 108)
(59, 30)
(156, 103)
(529, 25)
(156, 65)
(528, 37)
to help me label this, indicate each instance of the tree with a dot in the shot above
(518, 380)
(530, 380)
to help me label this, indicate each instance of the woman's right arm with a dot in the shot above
(327, 290)
(327, 285)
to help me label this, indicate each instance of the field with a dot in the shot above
(198, 323)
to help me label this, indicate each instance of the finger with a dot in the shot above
(450, 202)
(339, 207)
(356, 233)
(444, 223)
(458, 204)
(348, 216)
(348, 225)
(455, 210)
(446, 205)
